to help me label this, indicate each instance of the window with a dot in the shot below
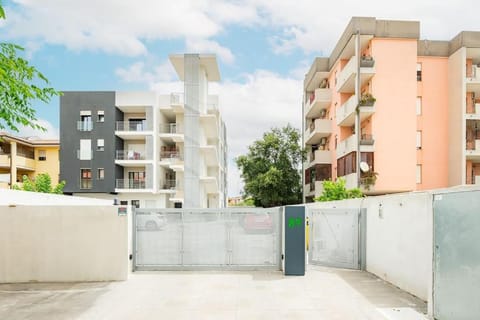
(85, 178)
(85, 152)
(419, 173)
(42, 155)
(419, 139)
(100, 173)
(85, 123)
(100, 145)
(101, 116)
(136, 203)
(419, 106)
(419, 72)
(124, 203)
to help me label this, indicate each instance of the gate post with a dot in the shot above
(294, 240)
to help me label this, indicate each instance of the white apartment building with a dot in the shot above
(147, 149)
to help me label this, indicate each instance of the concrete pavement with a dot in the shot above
(324, 293)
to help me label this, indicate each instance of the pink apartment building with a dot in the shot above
(410, 107)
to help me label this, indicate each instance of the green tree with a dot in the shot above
(270, 169)
(336, 190)
(20, 84)
(41, 183)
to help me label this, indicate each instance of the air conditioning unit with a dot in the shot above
(323, 141)
(323, 113)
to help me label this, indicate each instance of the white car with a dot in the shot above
(151, 221)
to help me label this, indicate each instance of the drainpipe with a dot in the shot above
(357, 110)
(303, 146)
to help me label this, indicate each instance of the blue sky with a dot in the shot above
(264, 48)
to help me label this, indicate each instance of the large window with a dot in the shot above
(86, 178)
(136, 180)
(85, 123)
(85, 152)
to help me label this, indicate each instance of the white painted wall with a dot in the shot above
(62, 243)
(399, 238)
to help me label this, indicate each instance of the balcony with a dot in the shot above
(172, 160)
(473, 79)
(210, 125)
(177, 101)
(132, 130)
(320, 128)
(346, 113)
(318, 102)
(346, 78)
(84, 125)
(169, 185)
(131, 158)
(367, 144)
(320, 157)
(122, 185)
(313, 189)
(211, 155)
(473, 150)
(210, 183)
(171, 132)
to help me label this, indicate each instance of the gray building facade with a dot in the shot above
(88, 142)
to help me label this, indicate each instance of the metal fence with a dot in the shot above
(172, 239)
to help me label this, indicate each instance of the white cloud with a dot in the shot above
(209, 46)
(138, 72)
(51, 132)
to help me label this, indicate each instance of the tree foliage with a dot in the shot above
(20, 84)
(270, 169)
(336, 190)
(41, 183)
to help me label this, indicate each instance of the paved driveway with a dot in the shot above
(324, 293)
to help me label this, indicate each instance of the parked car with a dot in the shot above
(151, 221)
(258, 223)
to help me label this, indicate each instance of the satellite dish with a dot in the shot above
(364, 167)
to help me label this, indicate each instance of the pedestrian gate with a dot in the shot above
(337, 238)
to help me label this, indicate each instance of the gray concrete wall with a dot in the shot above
(62, 244)
(71, 103)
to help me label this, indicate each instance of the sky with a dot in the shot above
(264, 48)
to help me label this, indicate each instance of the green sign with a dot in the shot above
(294, 222)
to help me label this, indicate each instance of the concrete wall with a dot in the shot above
(62, 243)
(399, 238)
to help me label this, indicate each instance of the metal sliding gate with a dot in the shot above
(172, 239)
(337, 237)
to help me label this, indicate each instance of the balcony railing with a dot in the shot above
(130, 184)
(84, 125)
(135, 125)
(366, 139)
(169, 184)
(171, 128)
(171, 155)
(177, 98)
(84, 154)
(129, 155)
(85, 183)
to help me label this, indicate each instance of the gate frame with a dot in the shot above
(226, 267)
(361, 241)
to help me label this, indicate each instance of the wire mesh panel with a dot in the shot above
(334, 238)
(212, 238)
(158, 237)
